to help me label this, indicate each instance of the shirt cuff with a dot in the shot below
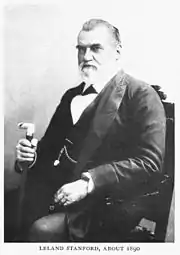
(87, 176)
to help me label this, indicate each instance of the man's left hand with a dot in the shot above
(71, 192)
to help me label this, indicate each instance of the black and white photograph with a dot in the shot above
(89, 96)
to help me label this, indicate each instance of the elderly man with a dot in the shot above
(105, 142)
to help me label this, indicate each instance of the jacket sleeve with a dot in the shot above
(146, 157)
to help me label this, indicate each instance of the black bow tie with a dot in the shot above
(89, 90)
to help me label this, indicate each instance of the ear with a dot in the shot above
(118, 52)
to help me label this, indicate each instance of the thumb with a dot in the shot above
(34, 142)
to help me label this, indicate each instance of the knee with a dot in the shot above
(48, 229)
(38, 232)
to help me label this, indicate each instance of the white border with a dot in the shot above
(12, 248)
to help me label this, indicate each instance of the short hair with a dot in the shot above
(92, 23)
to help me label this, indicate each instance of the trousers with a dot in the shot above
(50, 228)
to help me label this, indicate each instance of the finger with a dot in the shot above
(73, 198)
(20, 159)
(24, 142)
(70, 201)
(67, 203)
(56, 196)
(63, 200)
(25, 149)
(34, 142)
(59, 192)
(56, 199)
(59, 197)
(62, 190)
(25, 155)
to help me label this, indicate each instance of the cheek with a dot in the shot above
(107, 58)
(80, 58)
(102, 59)
(99, 58)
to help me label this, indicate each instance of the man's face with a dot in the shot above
(97, 52)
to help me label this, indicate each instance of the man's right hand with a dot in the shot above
(25, 152)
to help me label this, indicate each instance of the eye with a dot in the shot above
(95, 48)
(81, 49)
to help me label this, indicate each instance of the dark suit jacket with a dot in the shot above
(124, 147)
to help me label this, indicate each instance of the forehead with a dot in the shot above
(99, 35)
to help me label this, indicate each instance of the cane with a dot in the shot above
(30, 129)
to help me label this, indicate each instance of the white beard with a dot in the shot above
(98, 76)
(93, 75)
(89, 77)
(88, 74)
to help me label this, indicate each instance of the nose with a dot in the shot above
(88, 54)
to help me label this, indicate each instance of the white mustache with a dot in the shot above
(84, 65)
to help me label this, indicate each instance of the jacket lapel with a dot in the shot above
(107, 104)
